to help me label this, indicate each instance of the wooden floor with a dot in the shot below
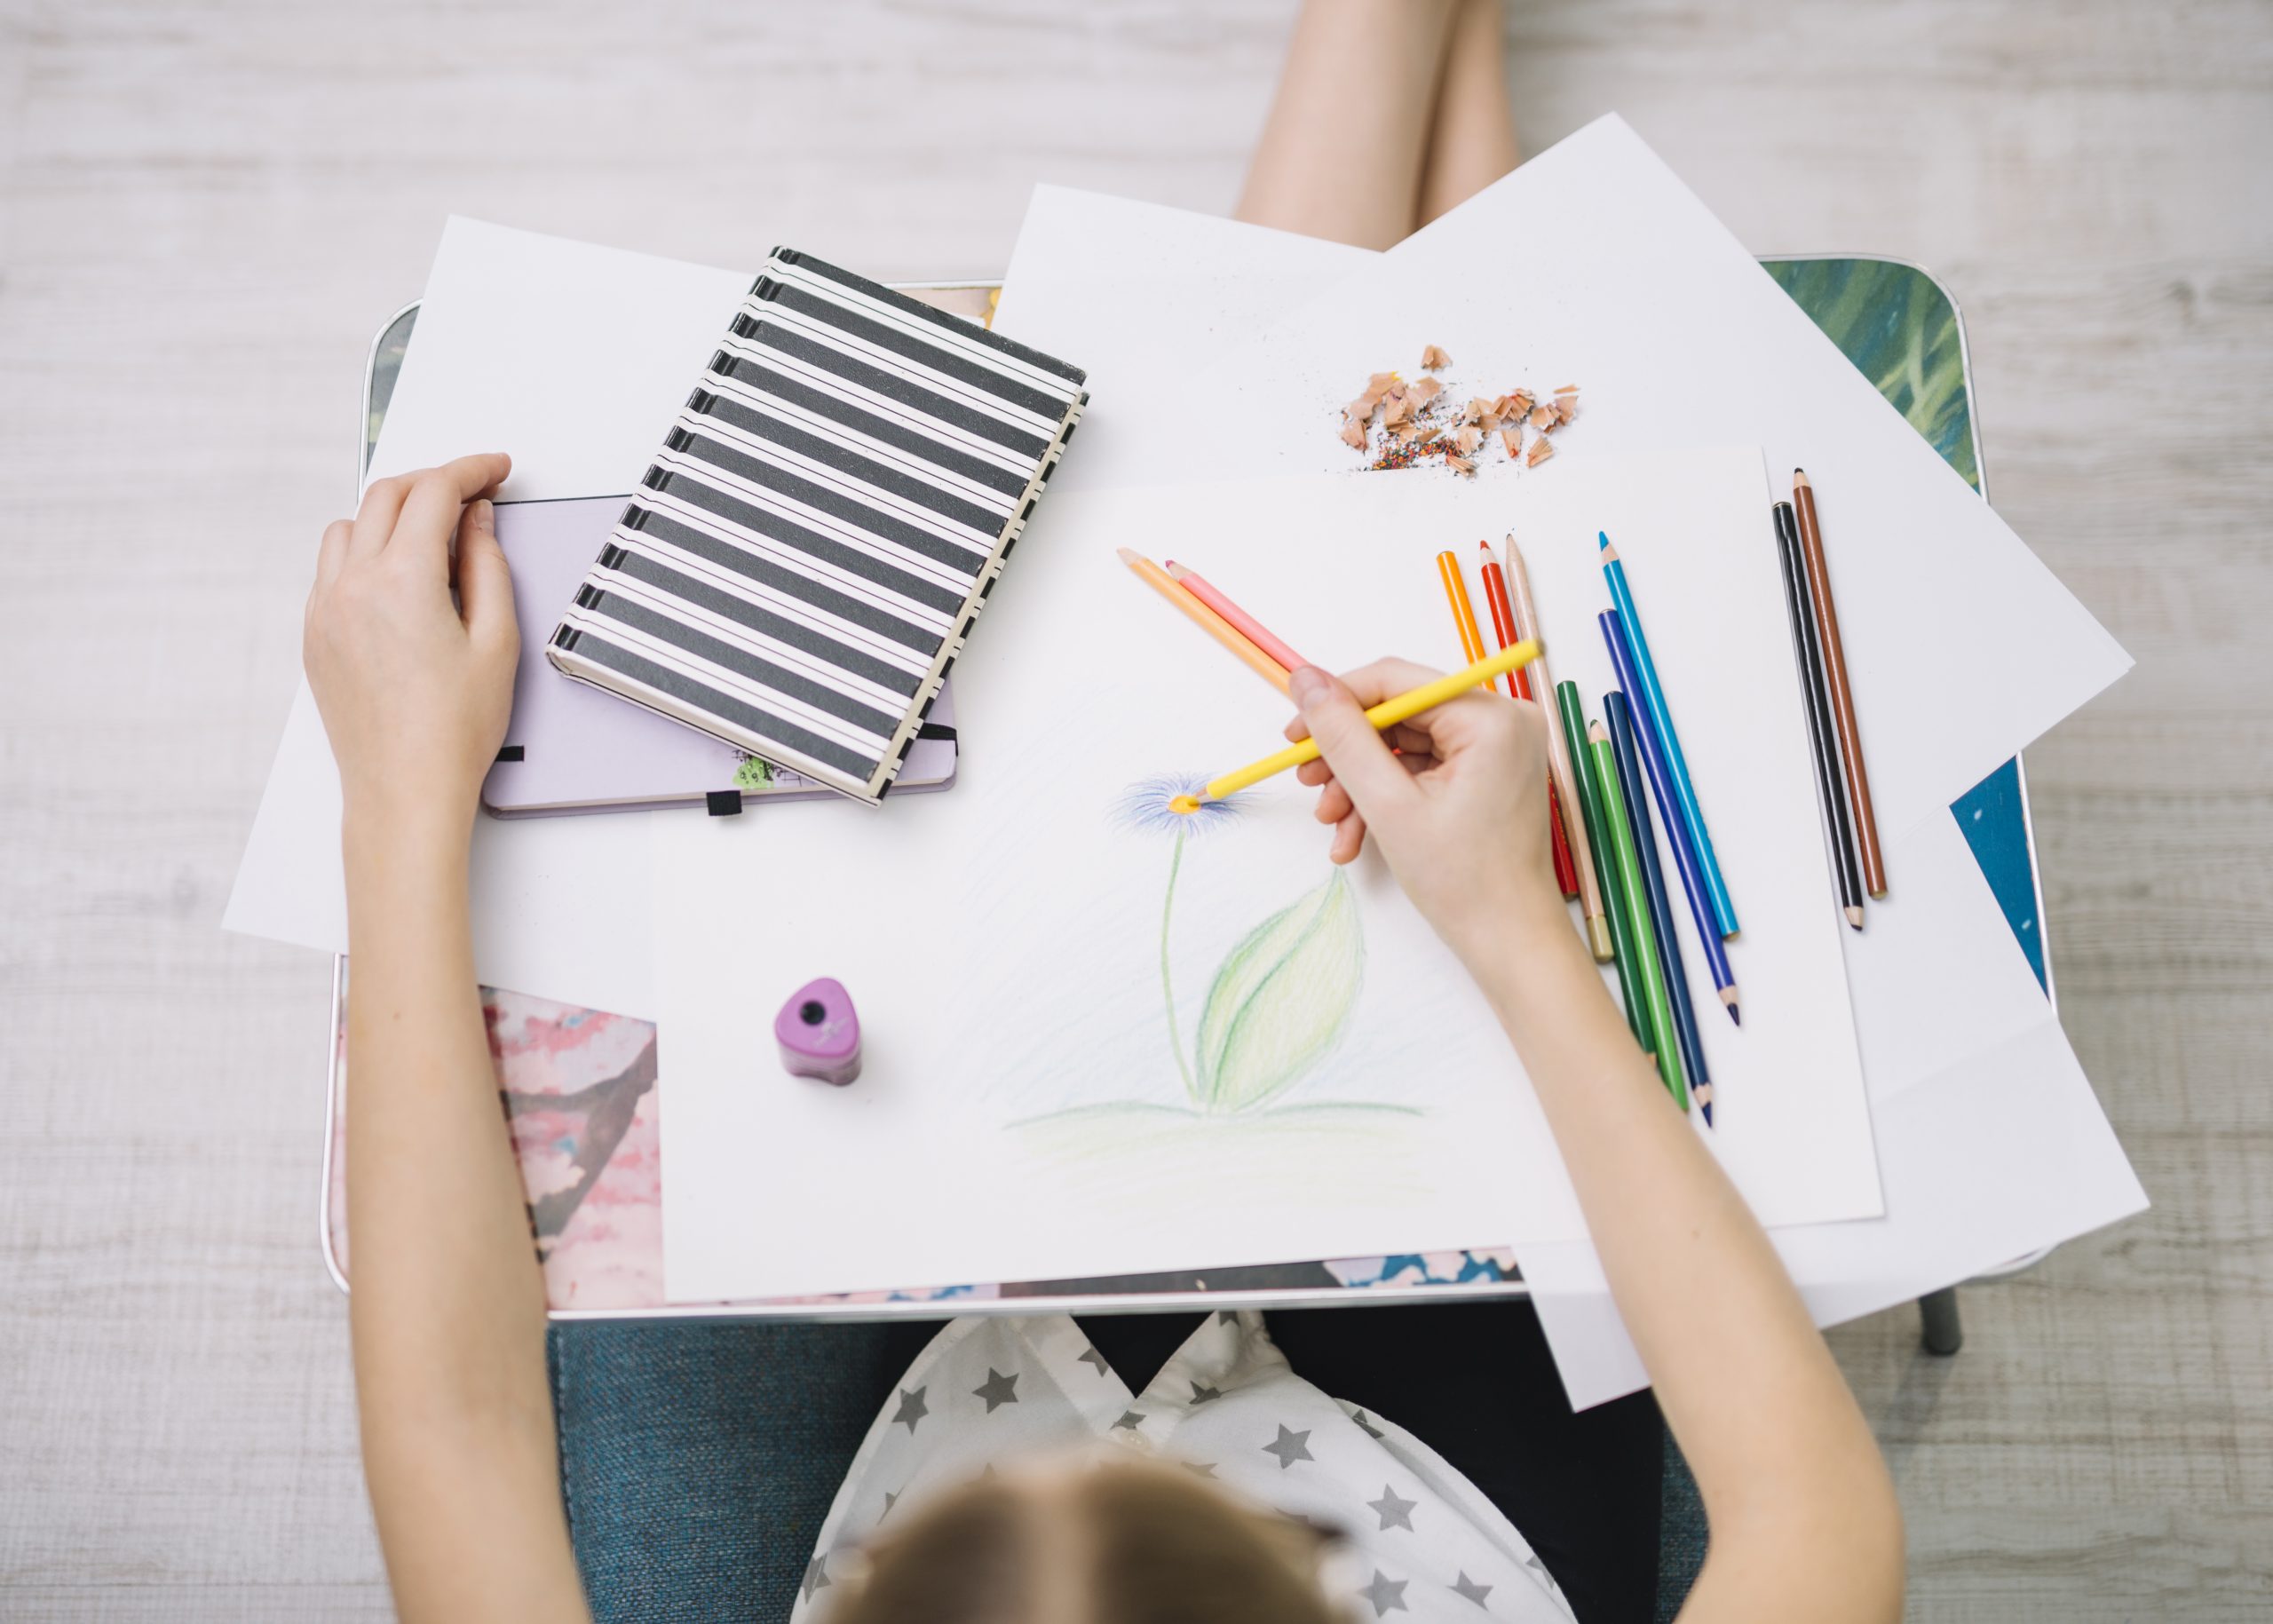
(206, 207)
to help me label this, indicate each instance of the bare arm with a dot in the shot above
(1805, 1522)
(447, 1312)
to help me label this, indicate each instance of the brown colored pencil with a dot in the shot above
(1843, 698)
(1561, 766)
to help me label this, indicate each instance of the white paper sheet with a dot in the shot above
(1592, 265)
(1990, 1143)
(572, 358)
(1005, 942)
(2006, 1152)
(1146, 295)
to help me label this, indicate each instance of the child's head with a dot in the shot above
(1128, 1542)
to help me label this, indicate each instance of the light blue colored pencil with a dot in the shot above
(1653, 700)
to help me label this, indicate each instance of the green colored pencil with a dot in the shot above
(1605, 860)
(1633, 905)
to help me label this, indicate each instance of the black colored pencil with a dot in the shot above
(1837, 836)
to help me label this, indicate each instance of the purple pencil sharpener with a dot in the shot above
(818, 1032)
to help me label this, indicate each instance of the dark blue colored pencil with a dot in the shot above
(1684, 851)
(1653, 880)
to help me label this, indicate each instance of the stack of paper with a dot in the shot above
(1101, 1042)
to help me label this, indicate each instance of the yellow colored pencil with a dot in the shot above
(1389, 713)
(1214, 624)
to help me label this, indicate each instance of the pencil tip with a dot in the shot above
(1855, 917)
(1596, 734)
(1175, 569)
(1800, 477)
(1127, 554)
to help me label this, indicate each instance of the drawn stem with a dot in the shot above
(1168, 987)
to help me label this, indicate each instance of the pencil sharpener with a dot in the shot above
(820, 1034)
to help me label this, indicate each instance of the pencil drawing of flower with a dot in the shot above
(1281, 995)
(1144, 808)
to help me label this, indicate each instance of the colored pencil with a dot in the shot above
(1834, 675)
(1472, 641)
(1562, 754)
(1389, 713)
(1651, 696)
(1838, 839)
(1645, 846)
(1677, 833)
(1573, 717)
(1214, 624)
(1634, 900)
(1504, 632)
(1253, 629)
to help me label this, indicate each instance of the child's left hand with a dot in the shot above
(414, 690)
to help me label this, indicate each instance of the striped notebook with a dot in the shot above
(804, 557)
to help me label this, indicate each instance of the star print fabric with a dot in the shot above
(1423, 1543)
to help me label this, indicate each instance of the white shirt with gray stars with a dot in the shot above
(1423, 1544)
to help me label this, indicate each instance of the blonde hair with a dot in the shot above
(1132, 1543)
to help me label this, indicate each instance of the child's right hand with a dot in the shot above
(1461, 813)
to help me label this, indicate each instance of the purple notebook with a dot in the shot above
(573, 748)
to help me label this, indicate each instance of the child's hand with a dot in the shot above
(1460, 814)
(414, 689)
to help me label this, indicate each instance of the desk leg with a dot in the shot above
(1945, 1332)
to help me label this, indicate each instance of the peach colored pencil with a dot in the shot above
(1558, 762)
(1253, 629)
(1214, 624)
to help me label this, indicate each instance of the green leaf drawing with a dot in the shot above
(1280, 999)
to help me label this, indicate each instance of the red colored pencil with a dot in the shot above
(1252, 629)
(1503, 629)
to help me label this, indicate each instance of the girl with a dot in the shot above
(1105, 1472)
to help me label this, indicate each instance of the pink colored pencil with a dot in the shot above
(1251, 629)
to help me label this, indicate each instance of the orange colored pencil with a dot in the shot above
(1503, 630)
(1214, 624)
(1559, 764)
(1253, 629)
(1471, 640)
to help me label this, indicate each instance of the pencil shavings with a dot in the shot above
(1399, 420)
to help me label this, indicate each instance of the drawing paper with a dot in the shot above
(1592, 265)
(570, 356)
(1990, 1143)
(1006, 945)
(1146, 297)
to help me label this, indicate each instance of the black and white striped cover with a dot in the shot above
(830, 510)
